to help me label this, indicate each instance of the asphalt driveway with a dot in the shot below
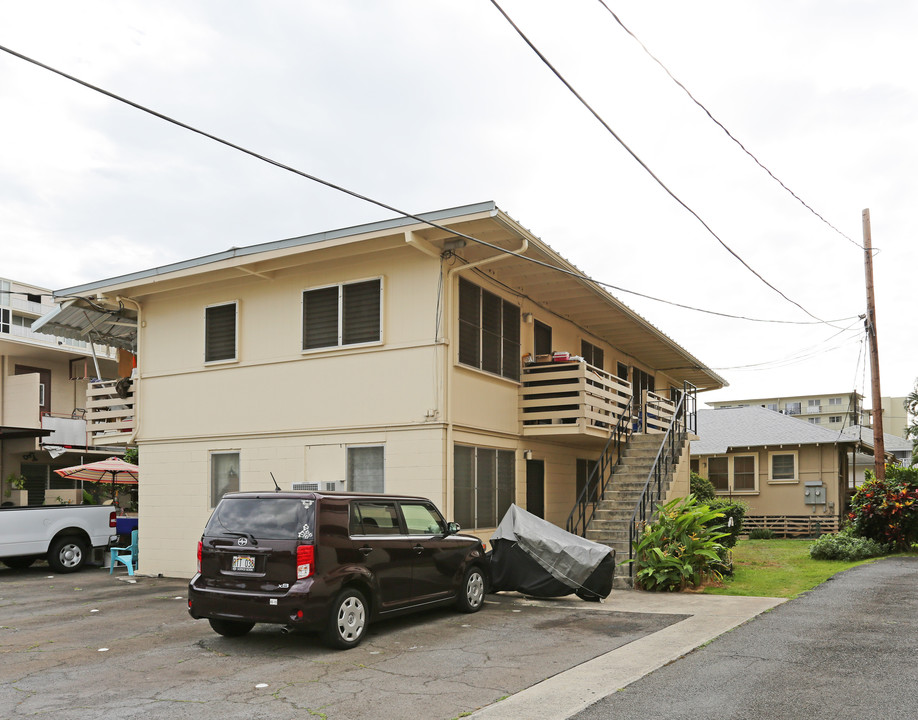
(93, 645)
(847, 649)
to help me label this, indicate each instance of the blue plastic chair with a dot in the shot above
(126, 555)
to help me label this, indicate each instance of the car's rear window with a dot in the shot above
(268, 518)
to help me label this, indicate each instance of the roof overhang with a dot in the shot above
(87, 320)
(550, 281)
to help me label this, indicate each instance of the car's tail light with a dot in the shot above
(305, 561)
(200, 550)
(112, 522)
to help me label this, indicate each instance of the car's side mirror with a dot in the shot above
(452, 528)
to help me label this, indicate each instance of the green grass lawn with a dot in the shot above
(777, 568)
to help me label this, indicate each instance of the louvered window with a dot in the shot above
(484, 485)
(342, 315)
(220, 332)
(489, 331)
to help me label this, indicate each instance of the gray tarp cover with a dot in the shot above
(566, 557)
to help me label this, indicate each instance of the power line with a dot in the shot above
(391, 208)
(643, 164)
(723, 127)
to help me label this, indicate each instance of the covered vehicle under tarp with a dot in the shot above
(536, 558)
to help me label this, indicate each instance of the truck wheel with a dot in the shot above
(230, 628)
(347, 621)
(18, 563)
(67, 554)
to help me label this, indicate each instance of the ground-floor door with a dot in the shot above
(535, 487)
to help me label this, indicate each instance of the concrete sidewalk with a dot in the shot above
(567, 693)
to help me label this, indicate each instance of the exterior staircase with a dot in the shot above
(612, 516)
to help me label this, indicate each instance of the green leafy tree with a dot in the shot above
(911, 407)
(886, 511)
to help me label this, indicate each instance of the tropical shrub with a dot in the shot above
(732, 510)
(702, 488)
(761, 534)
(886, 511)
(846, 546)
(680, 548)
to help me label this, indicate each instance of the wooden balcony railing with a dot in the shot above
(110, 411)
(571, 398)
(656, 412)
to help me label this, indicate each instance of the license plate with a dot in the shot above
(244, 563)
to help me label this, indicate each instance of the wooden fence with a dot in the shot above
(792, 525)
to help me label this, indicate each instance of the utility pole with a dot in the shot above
(879, 451)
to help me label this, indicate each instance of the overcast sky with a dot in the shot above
(429, 104)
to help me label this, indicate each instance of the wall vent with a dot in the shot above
(305, 486)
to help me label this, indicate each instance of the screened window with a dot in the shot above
(744, 472)
(489, 331)
(220, 332)
(366, 469)
(719, 473)
(784, 466)
(484, 485)
(339, 315)
(592, 354)
(4, 320)
(224, 475)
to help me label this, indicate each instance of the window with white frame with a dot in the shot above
(772, 406)
(783, 466)
(224, 475)
(4, 320)
(484, 485)
(220, 326)
(835, 401)
(346, 314)
(834, 419)
(489, 331)
(815, 421)
(366, 468)
(744, 472)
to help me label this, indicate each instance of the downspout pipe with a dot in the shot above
(427, 249)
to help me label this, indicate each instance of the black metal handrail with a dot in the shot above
(684, 421)
(594, 489)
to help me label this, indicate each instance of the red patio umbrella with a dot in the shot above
(114, 469)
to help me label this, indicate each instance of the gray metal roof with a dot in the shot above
(722, 429)
(436, 216)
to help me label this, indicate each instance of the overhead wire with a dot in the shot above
(644, 165)
(724, 128)
(379, 203)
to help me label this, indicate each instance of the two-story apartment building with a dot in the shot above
(43, 398)
(411, 356)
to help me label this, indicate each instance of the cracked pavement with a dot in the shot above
(91, 645)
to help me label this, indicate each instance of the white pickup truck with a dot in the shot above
(63, 534)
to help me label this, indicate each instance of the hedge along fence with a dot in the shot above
(792, 525)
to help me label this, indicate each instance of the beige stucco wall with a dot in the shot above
(294, 413)
(786, 497)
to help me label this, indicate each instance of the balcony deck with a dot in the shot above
(109, 416)
(571, 399)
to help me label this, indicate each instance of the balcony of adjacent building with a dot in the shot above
(110, 412)
(577, 401)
